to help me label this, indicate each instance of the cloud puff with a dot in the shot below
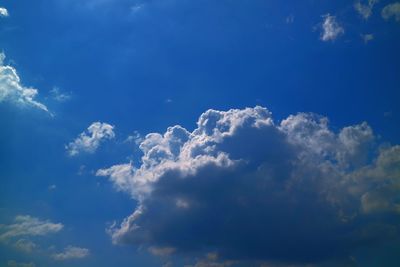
(71, 252)
(90, 140)
(331, 29)
(365, 10)
(3, 12)
(250, 189)
(391, 10)
(13, 91)
(26, 225)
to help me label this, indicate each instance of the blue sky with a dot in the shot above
(286, 155)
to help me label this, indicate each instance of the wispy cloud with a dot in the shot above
(59, 96)
(161, 251)
(12, 90)
(26, 225)
(135, 138)
(13, 263)
(367, 37)
(365, 10)
(91, 139)
(71, 252)
(25, 245)
(391, 10)
(331, 29)
(52, 187)
(290, 19)
(136, 8)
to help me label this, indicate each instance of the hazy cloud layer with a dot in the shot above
(25, 245)
(12, 90)
(249, 188)
(71, 252)
(13, 263)
(331, 29)
(391, 11)
(91, 139)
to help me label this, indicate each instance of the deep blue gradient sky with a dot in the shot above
(142, 66)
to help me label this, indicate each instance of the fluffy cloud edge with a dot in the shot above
(3, 12)
(12, 90)
(179, 169)
(90, 140)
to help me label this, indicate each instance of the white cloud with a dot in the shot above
(3, 12)
(90, 140)
(240, 180)
(365, 10)
(13, 91)
(136, 8)
(71, 252)
(26, 225)
(391, 10)
(331, 29)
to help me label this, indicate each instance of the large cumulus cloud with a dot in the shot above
(248, 188)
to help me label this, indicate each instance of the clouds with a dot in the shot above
(71, 252)
(3, 12)
(365, 10)
(211, 260)
(331, 29)
(13, 263)
(25, 245)
(248, 188)
(59, 96)
(367, 37)
(12, 90)
(391, 11)
(22, 236)
(26, 225)
(90, 140)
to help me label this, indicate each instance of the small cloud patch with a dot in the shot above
(91, 139)
(71, 252)
(331, 29)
